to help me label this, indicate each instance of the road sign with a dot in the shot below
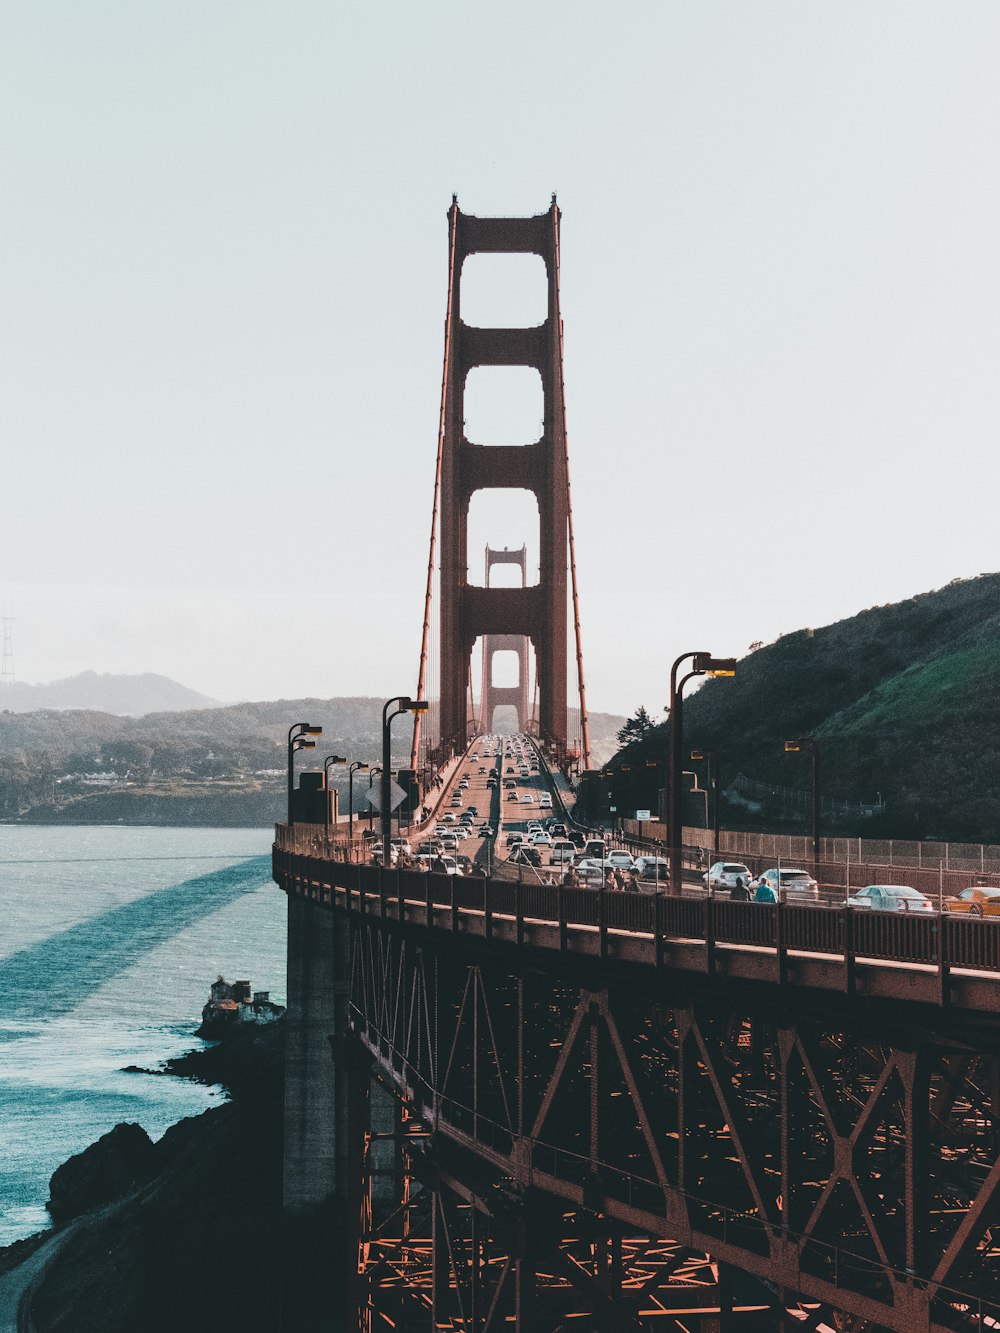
(642, 815)
(396, 795)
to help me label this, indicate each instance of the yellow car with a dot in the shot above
(976, 901)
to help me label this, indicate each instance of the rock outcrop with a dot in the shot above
(118, 1162)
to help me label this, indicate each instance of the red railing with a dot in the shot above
(940, 940)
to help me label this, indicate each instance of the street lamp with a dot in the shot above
(299, 738)
(350, 798)
(406, 705)
(376, 768)
(328, 763)
(690, 773)
(809, 746)
(702, 664)
(712, 783)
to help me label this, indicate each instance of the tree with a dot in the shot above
(636, 728)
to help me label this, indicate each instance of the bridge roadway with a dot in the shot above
(808, 1095)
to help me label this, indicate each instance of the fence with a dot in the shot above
(970, 858)
(938, 941)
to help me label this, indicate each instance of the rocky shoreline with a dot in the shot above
(185, 1233)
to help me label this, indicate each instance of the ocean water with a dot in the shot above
(109, 940)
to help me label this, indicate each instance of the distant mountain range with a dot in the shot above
(129, 696)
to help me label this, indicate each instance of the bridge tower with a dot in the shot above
(495, 695)
(537, 613)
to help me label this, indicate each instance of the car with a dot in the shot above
(977, 900)
(620, 859)
(541, 839)
(513, 839)
(472, 810)
(594, 847)
(512, 796)
(797, 885)
(509, 784)
(448, 817)
(545, 801)
(486, 831)
(451, 866)
(482, 769)
(449, 843)
(563, 853)
(655, 868)
(727, 874)
(891, 898)
(510, 768)
(401, 846)
(523, 855)
(594, 863)
(465, 864)
(557, 830)
(527, 798)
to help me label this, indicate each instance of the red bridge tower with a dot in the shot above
(539, 612)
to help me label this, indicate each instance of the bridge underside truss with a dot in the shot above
(577, 1153)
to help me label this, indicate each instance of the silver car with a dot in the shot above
(891, 898)
(793, 885)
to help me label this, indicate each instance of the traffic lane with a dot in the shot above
(515, 815)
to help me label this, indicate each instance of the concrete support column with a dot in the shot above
(316, 1087)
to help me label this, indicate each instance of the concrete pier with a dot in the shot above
(316, 1085)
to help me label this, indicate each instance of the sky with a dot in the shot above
(222, 302)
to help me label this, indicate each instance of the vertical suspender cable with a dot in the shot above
(584, 721)
(422, 674)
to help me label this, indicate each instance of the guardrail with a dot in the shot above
(940, 941)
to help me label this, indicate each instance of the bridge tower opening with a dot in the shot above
(535, 614)
(516, 694)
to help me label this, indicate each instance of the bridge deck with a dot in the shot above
(926, 959)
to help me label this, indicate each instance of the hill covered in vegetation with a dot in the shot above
(221, 766)
(903, 700)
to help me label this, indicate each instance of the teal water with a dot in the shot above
(109, 940)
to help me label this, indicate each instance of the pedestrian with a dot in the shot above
(740, 892)
(765, 894)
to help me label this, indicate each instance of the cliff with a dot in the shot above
(195, 1241)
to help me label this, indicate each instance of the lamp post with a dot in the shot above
(406, 705)
(712, 784)
(350, 799)
(702, 664)
(328, 763)
(809, 746)
(375, 768)
(300, 736)
(690, 773)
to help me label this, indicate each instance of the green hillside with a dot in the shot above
(904, 700)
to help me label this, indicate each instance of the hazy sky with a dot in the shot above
(223, 289)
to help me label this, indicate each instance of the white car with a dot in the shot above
(727, 874)
(527, 799)
(621, 860)
(545, 801)
(563, 852)
(448, 818)
(540, 839)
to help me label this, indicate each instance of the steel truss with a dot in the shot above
(628, 1155)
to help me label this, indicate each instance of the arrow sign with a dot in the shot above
(396, 796)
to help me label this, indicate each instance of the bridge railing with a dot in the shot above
(939, 940)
